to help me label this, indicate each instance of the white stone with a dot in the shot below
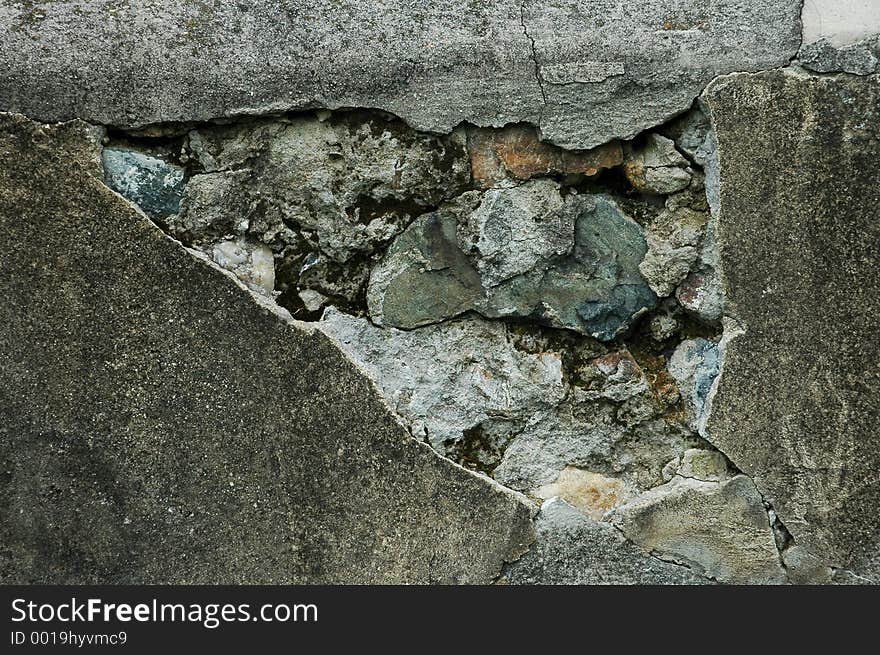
(840, 22)
(252, 262)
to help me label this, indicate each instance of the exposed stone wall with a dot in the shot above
(535, 293)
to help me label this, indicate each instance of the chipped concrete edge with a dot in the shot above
(732, 327)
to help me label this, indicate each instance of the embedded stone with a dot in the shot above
(702, 294)
(424, 276)
(706, 465)
(665, 323)
(153, 184)
(690, 132)
(251, 262)
(582, 274)
(215, 206)
(516, 229)
(312, 300)
(572, 548)
(693, 135)
(615, 376)
(515, 151)
(592, 493)
(719, 529)
(695, 364)
(655, 166)
(674, 240)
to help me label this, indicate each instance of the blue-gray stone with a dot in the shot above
(619, 292)
(581, 274)
(153, 184)
(695, 365)
(706, 372)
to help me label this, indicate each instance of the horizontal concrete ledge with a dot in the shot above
(586, 72)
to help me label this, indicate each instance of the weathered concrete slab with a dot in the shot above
(586, 72)
(797, 406)
(160, 423)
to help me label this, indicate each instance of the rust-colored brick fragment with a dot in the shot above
(515, 151)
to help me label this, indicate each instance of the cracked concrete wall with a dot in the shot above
(523, 292)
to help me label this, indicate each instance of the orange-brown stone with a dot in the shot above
(516, 151)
